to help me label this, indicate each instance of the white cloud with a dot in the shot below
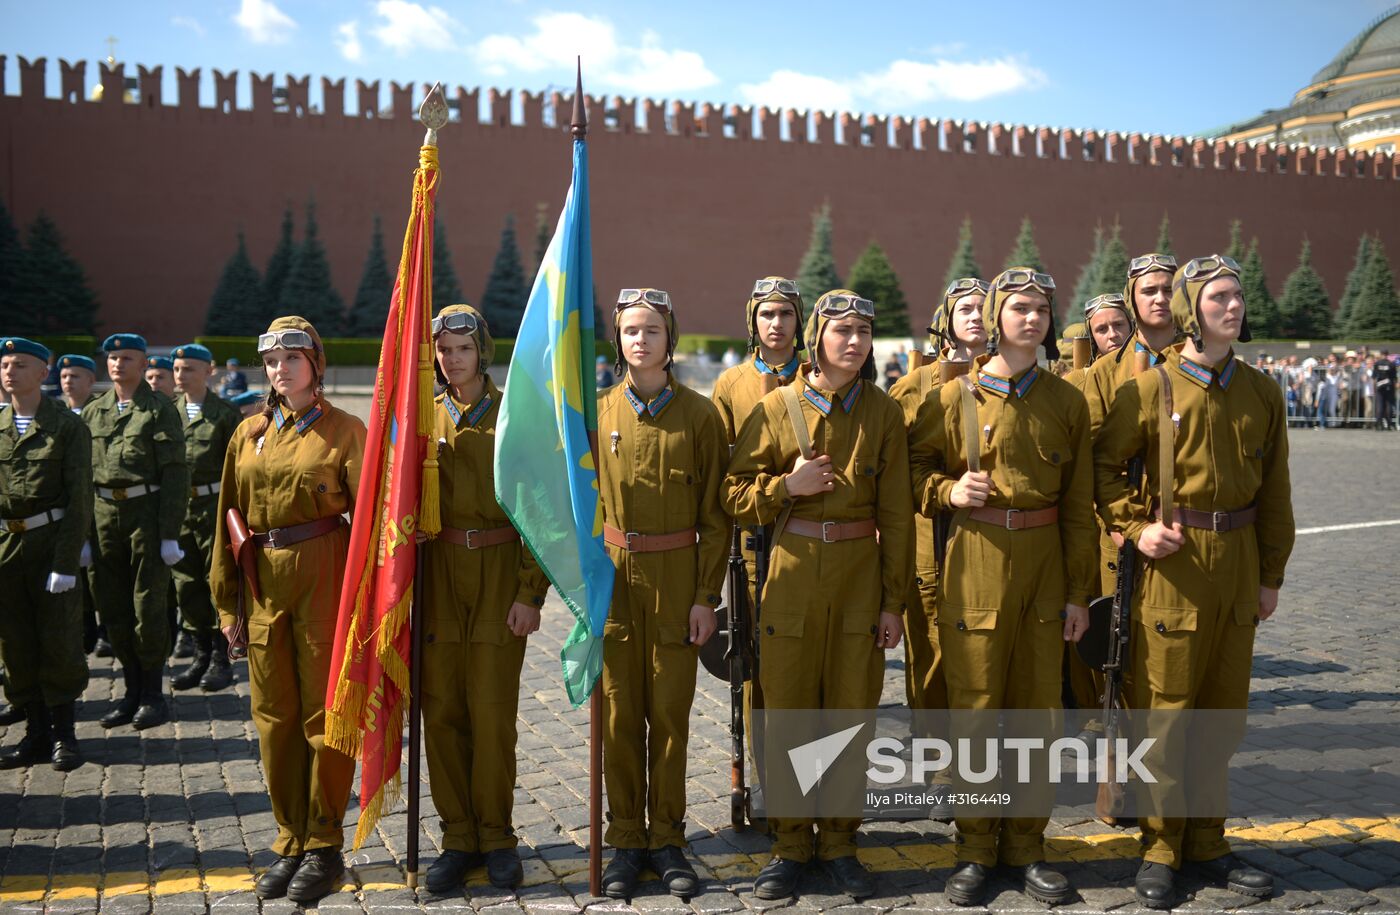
(347, 39)
(410, 27)
(646, 67)
(263, 22)
(900, 85)
(189, 22)
(790, 89)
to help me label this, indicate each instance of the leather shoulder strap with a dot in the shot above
(1166, 445)
(799, 424)
(969, 424)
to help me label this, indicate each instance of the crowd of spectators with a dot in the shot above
(1351, 390)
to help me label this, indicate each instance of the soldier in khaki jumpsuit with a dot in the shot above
(1213, 575)
(840, 569)
(484, 591)
(209, 427)
(661, 461)
(143, 490)
(293, 469)
(1020, 563)
(957, 335)
(45, 513)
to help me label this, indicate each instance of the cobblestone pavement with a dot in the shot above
(177, 820)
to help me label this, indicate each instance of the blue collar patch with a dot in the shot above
(302, 424)
(1004, 386)
(474, 416)
(658, 403)
(785, 372)
(1203, 375)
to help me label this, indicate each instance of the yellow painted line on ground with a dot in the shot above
(930, 855)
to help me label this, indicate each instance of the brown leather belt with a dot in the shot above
(1013, 519)
(477, 539)
(832, 531)
(1219, 522)
(280, 537)
(648, 543)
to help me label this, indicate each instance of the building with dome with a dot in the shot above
(1353, 102)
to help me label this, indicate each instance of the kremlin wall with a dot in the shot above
(150, 191)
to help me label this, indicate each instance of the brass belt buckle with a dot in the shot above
(826, 528)
(470, 545)
(15, 527)
(1011, 514)
(119, 495)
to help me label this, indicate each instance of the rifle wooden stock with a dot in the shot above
(1083, 354)
(916, 359)
(949, 370)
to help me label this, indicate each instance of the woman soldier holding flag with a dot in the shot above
(290, 473)
(483, 595)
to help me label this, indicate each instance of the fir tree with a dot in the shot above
(1086, 284)
(1025, 253)
(52, 284)
(446, 289)
(238, 307)
(964, 262)
(1113, 264)
(1164, 237)
(817, 272)
(1375, 315)
(503, 302)
(370, 309)
(544, 233)
(1260, 307)
(308, 291)
(872, 276)
(1341, 322)
(279, 267)
(1235, 249)
(15, 318)
(1304, 311)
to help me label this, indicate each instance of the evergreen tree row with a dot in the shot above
(43, 288)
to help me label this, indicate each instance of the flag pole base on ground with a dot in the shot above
(595, 793)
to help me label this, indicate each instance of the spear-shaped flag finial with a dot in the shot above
(433, 113)
(579, 126)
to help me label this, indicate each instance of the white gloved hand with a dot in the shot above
(60, 583)
(170, 552)
(85, 557)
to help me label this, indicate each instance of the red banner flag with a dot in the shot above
(366, 701)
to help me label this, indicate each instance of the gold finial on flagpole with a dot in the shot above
(433, 113)
(579, 125)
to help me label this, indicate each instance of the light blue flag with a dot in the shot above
(546, 478)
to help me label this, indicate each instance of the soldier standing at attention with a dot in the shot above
(209, 427)
(1020, 564)
(76, 376)
(1148, 293)
(773, 317)
(1214, 573)
(957, 335)
(484, 591)
(160, 375)
(840, 567)
(662, 458)
(143, 489)
(45, 513)
(291, 472)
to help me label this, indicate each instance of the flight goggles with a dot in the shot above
(1020, 279)
(1149, 262)
(1204, 266)
(459, 322)
(1111, 300)
(656, 298)
(782, 287)
(966, 286)
(285, 339)
(833, 306)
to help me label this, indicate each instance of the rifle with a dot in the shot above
(948, 370)
(734, 657)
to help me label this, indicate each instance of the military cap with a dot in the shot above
(74, 361)
(124, 341)
(12, 345)
(192, 351)
(247, 398)
(160, 362)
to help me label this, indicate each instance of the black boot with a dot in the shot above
(1231, 872)
(319, 875)
(103, 648)
(272, 884)
(675, 871)
(1045, 884)
(65, 756)
(1155, 885)
(968, 884)
(850, 876)
(449, 872)
(191, 676)
(10, 714)
(153, 709)
(778, 879)
(503, 868)
(620, 878)
(185, 645)
(126, 708)
(220, 672)
(34, 748)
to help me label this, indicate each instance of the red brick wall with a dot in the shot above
(150, 195)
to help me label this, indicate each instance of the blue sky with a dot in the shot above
(1183, 68)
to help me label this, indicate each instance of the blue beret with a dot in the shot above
(124, 341)
(161, 362)
(192, 351)
(10, 345)
(73, 361)
(247, 398)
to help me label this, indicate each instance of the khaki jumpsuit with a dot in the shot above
(41, 634)
(823, 601)
(1003, 592)
(207, 438)
(471, 661)
(925, 687)
(1197, 609)
(661, 466)
(142, 445)
(303, 468)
